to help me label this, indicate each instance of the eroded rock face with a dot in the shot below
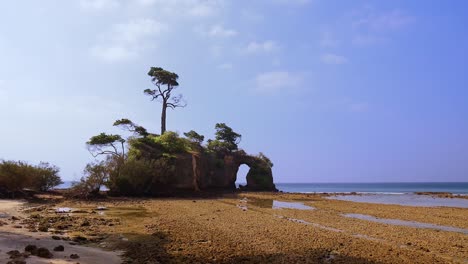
(204, 171)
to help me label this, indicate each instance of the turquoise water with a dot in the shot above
(382, 188)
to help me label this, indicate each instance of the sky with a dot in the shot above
(330, 90)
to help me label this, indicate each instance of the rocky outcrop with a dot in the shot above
(207, 171)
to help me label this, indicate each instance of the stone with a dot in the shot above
(14, 254)
(30, 248)
(59, 248)
(74, 256)
(44, 253)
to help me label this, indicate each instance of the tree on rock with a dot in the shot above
(226, 139)
(128, 125)
(194, 137)
(165, 82)
(104, 144)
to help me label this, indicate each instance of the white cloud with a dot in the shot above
(220, 31)
(99, 4)
(114, 53)
(330, 58)
(126, 41)
(371, 27)
(391, 20)
(192, 8)
(225, 66)
(273, 82)
(268, 46)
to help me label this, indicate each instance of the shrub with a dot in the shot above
(143, 177)
(17, 175)
(46, 177)
(172, 143)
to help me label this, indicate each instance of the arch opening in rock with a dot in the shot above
(241, 177)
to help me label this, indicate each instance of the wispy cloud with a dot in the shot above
(330, 58)
(191, 8)
(99, 4)
(219, 31)
(268, 46)
(385, 21)
(273, 82)
(126, 41)
(371, 27)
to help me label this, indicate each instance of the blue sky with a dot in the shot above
(332, 91)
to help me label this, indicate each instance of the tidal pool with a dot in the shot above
(404, 199)
(274, 204)
(399, 222)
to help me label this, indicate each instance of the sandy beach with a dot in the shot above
(14, 235)
(250, 228)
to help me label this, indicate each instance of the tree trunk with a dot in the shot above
(163, 117)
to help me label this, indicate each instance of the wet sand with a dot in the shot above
(252, 228)
(12, 237)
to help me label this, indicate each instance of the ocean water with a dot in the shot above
(375, 188)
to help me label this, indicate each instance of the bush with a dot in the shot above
(172, 143)
(17, 175)
(46, 177)
(143, 177)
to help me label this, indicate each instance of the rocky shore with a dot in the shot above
(244, 228)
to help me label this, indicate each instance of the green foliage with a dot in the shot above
(144, 177)
(104, 144)
(172, 143)
(105, 139)
(194, 137)
(96, 175)
(128, 125)
(46, 177)
(226, 139)
(162, 77)
(17, 175)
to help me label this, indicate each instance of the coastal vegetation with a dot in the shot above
(143, 163)
(148, 164)
(18, 176)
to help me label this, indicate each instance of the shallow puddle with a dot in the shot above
(398, 222)
(4, 215)
(127, 212)
(274, 204)
(63, 210)
(404, 199)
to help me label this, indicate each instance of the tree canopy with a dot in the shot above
(165, 82)
(106, 144)
(194, 137)
(226, 139)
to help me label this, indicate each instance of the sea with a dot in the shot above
(376, 188)
(370, 188)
